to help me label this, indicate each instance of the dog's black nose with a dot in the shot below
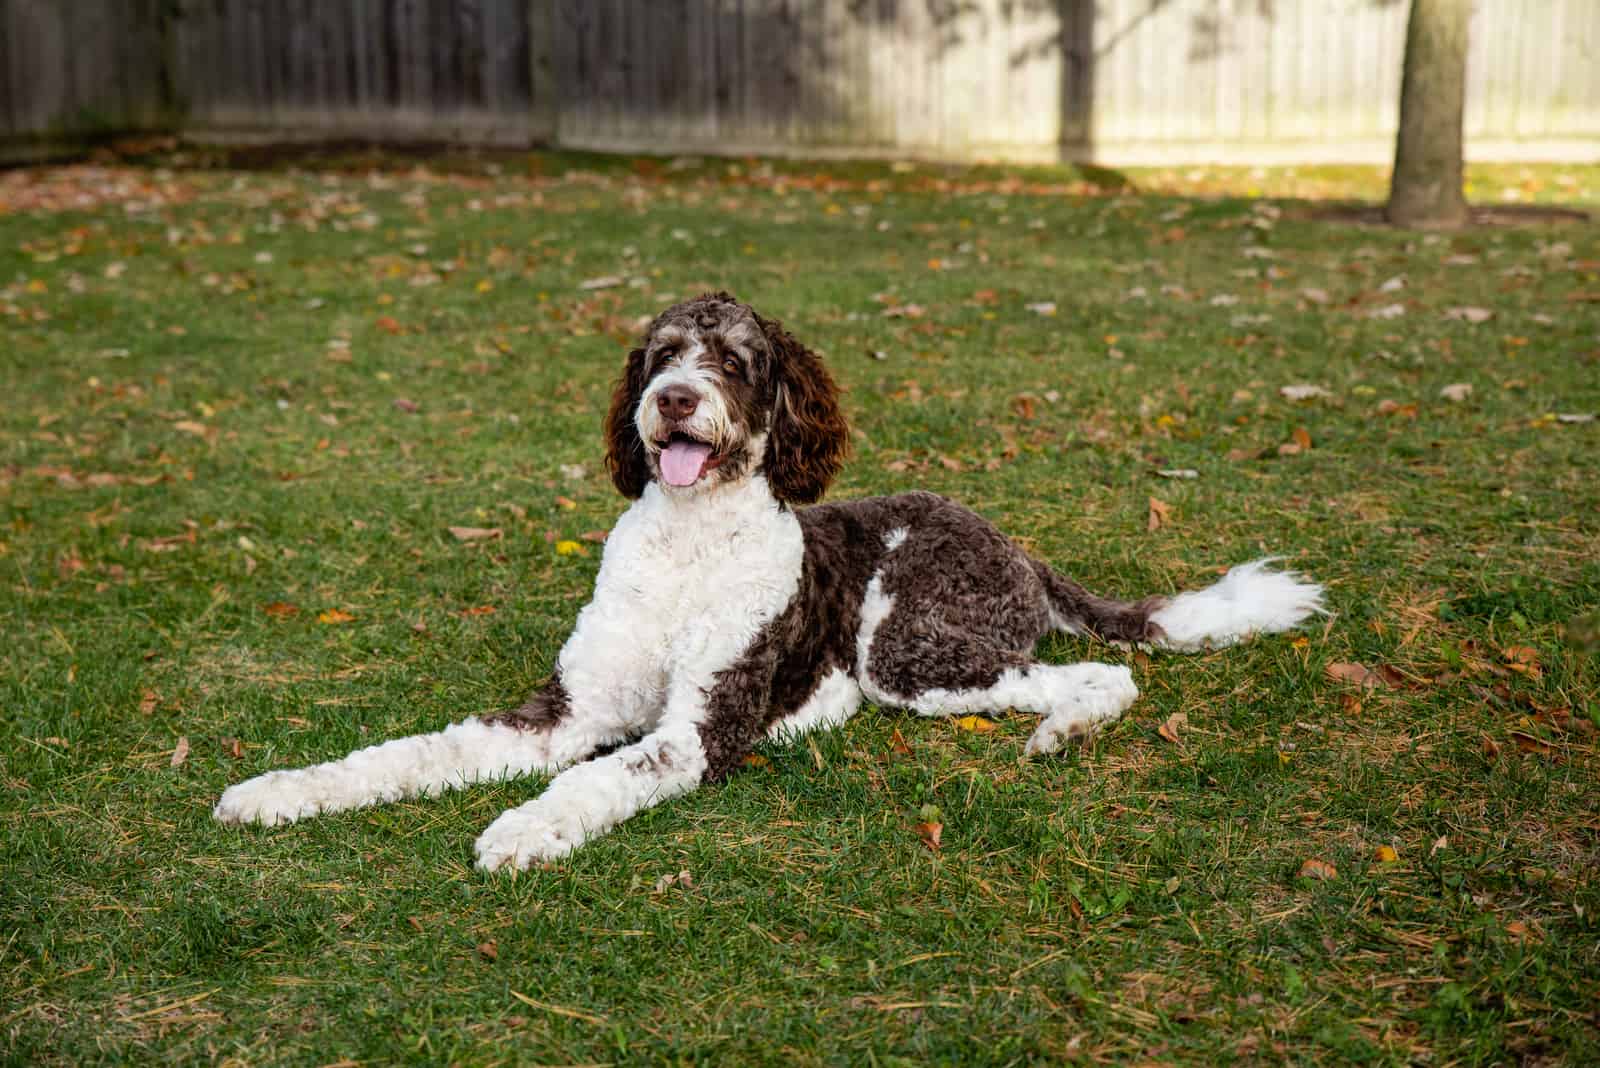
(677, 402)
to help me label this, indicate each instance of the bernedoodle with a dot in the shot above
(725, 612)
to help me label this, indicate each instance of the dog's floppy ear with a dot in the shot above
(808, 438)
(625, 457)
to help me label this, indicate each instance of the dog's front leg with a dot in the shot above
(546, 733)
(711, 723)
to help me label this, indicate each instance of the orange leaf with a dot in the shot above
(1386, 855)
(1301, 437)
(1318, 869)
(488, 951)
(281, 609)
(929, 833)
(1160, 514)
(1522, 659)
(480, 610)
(897, 743)
(334, 615)
(755, 760)
(389, 324)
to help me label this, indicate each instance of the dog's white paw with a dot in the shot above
(270, 799)
(1099, 693)
(520, 838)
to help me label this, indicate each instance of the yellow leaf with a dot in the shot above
(1386, 855)
(484, 285)
(755, 760)
(570, 548)
(333, 615)
(975, 724)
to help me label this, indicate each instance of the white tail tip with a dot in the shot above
(1248, 600)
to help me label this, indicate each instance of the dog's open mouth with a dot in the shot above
(685, 459)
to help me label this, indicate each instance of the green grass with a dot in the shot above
(203, 453)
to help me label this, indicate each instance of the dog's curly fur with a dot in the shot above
(724, 612)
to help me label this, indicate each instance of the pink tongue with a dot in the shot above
(682, 462)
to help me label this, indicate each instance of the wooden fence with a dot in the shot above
(1118, 81)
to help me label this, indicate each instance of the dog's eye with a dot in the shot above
(667, 353)
(731, 365)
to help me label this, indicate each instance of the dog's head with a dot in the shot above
(717, 394)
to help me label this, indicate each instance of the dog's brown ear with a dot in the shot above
(808, 439)
(625, 457)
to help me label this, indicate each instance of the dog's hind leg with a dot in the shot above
(541, 736)
(909, 659)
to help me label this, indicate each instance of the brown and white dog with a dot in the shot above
(725, 613)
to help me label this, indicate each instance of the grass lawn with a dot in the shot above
(244, 409)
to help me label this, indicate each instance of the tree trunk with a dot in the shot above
(1426, 189)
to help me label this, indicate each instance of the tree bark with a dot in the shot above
(1426, 190)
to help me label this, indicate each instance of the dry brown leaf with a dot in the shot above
(147, 702)
(1532, 743)
(233, 747)
(406, 404)
(477, 533)
(1491, 748)
(1160, 514)
(1175, 723)
(1355, 674)
(1315, 868)
(1523, 659)
(281, 609)
(593, 535)
(929, 832)
(489, 951)
(181, 752)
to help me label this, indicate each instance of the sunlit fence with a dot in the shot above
(1107, 80)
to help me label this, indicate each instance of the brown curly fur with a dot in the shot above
(809, 439)
(625, 457)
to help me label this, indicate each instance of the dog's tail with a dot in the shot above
(1248, 600)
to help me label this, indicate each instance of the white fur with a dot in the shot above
(895, 538)
(1248, 600)
(459, 755)
(835, 700)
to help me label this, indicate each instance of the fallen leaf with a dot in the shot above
(480, 610)
(477, 533)
(281, 609)
(1315, 295)
(1522, 659)
(389, 324)
(1386, 855)
(181, 752)
(1355, 674)
(488, 951)
(233, 747)
(147, 702)
(1441, 842)
(1389, 407)
(904, 311)
(1532, 743)
(333, 616)
(405, 404)
(571, 548)
(755, 760)
(1491, 748)
(593, 535)
(605, 281)
(929, 832)
(666, 882)
(1387, 311)
(1303, 391)
(1160, 514)
(975, 724)
(1042, 307)
(1178, 472)
(897, 743)
(1175, 722)
(566, 503)
(1575, 417)
(1314, 868)
(1301, 437)
(189, 426)
(1470, 315)
(1456, 392)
